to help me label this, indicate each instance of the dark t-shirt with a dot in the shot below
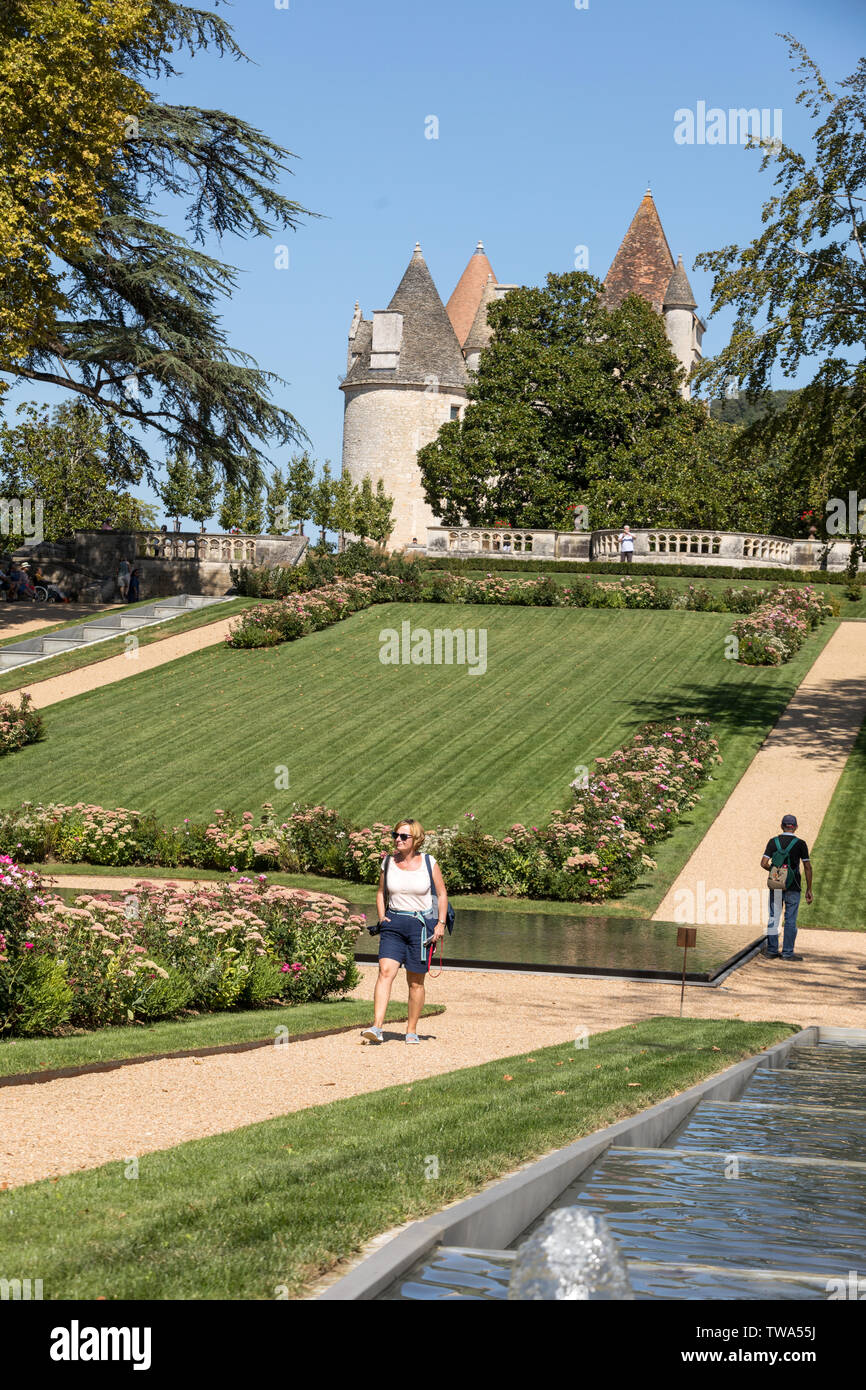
(798, 854)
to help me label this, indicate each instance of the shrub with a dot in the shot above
(35, 997)
(230, 945)
(19, 724)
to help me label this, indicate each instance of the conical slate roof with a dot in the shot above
(679, 291)
(480, 333)
(463, 304)
(643, 264)
(429, 348)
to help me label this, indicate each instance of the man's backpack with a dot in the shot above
(781, 874)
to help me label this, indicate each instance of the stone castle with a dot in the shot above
(408, 367)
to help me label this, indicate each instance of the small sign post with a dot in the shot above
(686, 937)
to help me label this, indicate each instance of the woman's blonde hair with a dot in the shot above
(416, 828)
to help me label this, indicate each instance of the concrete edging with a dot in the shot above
(492, 1218)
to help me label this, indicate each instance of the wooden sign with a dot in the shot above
(687, 936)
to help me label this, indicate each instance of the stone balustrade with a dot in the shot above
(651, 546)
(196, 546)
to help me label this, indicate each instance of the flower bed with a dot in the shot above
(19, 724)
(98, 962)
(286, 619)
(778, 628)
(295, 616)
(591, 852)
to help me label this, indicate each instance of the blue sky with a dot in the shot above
(552, 121)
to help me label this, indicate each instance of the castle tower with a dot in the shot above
(682, 325)
(644, 265)
(405, 377)
(463, 304)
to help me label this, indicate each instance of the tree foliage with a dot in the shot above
(568, 392)
(142, 339)
(799, 294)
(65, 460)
(67, 101)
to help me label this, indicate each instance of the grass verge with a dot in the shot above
(262, 1212)
(20, 1055)
(839, 870)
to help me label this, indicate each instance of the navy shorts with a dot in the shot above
(400, 940)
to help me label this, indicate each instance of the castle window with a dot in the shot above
(455, 412)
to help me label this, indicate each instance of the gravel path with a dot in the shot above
(117, 668)
(796, 769)
(61, 1126)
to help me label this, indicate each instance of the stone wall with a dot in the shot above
(169, 562)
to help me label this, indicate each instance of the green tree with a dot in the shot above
(231, 514)
(344, 515)
(205, 491)
(253, 510)
(177, 493)
(798, 291)
(565, 385)
(277, 506)
(322, 513)
(143, 341)
(383, 519)
(299, 483)
(66, 100)
(75, 465)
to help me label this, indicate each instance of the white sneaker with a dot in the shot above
(412, 1038)
(372, 1034)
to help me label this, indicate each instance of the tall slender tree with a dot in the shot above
(322, 513)
(299, 482)
(277, 506)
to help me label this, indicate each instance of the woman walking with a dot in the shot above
(407, 921)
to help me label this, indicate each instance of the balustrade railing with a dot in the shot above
(168, 545)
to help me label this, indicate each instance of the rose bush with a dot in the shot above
(98, 961)
(19, 724)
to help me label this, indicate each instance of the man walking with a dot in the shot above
(790, 852)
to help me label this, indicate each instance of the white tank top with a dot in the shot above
(409, 889)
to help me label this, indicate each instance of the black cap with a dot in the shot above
(789, 820)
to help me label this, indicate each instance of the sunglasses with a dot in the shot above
(400, 835)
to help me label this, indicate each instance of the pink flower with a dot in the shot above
(28, 945)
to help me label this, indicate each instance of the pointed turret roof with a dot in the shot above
(463, 304)
(643, 264)
(429, 348)
(679, 292)
(480, 333)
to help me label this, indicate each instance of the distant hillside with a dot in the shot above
(746, 409)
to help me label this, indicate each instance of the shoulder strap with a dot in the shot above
(430, 876)
(385, 868)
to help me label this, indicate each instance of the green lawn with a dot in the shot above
(114, 646)
(260, 1212)
(20, 1055)
(840, 874)
(562, 687)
